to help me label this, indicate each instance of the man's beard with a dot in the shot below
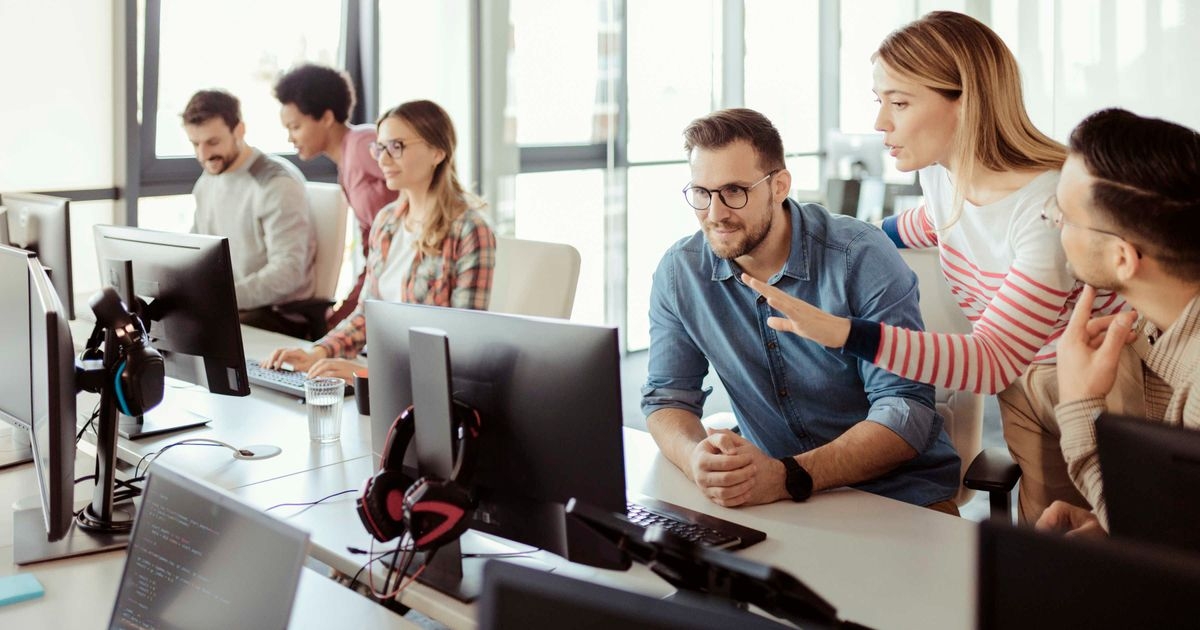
(751, 239)
(226, 161)
(1098, 281)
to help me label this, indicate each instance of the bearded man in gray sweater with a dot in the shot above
(258, 202)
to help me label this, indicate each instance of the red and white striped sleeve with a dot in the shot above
(914, 228)
(1022, 316)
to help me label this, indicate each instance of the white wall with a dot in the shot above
(56, 110)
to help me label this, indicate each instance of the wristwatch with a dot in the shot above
(798, 482)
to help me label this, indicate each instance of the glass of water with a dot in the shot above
(323, 397)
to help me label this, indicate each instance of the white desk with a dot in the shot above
(882, 563)
(264, 417)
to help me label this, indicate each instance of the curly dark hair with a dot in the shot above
(313, 89)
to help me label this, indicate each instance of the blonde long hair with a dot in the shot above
(962, 59)
(451, 199)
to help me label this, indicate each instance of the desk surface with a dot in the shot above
(265, 417)
(882, 563)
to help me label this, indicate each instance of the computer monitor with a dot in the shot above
(182, 287)
(37, 394)
(1151, 475)
(541, 386)
(42, 225)
(1029, 579)
(520, 597)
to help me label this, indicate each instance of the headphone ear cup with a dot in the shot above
(381, 504)
(436, 511)
(139, 380)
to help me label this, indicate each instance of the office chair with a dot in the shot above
(991, 470)
(328, 209)
(534, 278)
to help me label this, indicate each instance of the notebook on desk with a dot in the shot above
(200, 558)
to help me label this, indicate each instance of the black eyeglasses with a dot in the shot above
(734, 197)
(1052, 215)
(394, 148)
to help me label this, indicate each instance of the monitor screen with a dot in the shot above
(1029, 579)
(201, 559)
(37, 393)
(540, 385)
(186, 281)
(16, 400)
(1151, 472)
(42, 224)
(53, 388)
(520, 597)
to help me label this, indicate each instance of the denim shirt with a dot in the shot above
(790, 394)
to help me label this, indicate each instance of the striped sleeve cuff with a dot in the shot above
(863, 340)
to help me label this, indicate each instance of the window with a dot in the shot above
(425, 53)
(224, 44)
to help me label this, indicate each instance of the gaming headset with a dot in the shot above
(433, 511)
(137, 374)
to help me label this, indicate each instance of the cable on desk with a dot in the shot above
(189, 442)
(310, 504)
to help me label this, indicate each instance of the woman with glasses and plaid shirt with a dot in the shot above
(951, 108)
(431, 246)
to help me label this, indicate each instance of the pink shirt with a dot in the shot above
(361, 179)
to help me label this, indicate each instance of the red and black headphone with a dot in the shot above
(433, 511)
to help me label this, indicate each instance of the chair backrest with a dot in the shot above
(534, 278)
(963, 411)
(327, 207)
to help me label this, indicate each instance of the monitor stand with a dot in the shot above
(16, 449)
(159, 421)
(30, 544)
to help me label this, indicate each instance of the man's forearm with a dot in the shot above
(866, 451)
(676, 432)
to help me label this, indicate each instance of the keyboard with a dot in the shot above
(693, 526)
(280, 380)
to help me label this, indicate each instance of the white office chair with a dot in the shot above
(327, 210)
(534, 278)
(963, 411)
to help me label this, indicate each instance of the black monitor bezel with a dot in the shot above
(54, 214)
(198, 269)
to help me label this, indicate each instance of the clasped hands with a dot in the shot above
(731, 471)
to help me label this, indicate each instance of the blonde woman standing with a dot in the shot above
(950, 107)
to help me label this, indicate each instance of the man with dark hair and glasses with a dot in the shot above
(809, 418)
(1128, 208)
(315, 106)
(257, 201)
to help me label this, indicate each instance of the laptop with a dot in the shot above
(1151, 475)
(1028, 579)
(200, 558)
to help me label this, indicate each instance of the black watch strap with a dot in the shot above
(798, 482)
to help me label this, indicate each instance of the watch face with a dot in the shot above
(799, 483)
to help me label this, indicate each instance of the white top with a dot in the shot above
(396, 270)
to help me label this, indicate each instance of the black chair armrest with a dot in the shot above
(993, 470)
(311, 312)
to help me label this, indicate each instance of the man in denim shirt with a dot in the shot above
(810, 418)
